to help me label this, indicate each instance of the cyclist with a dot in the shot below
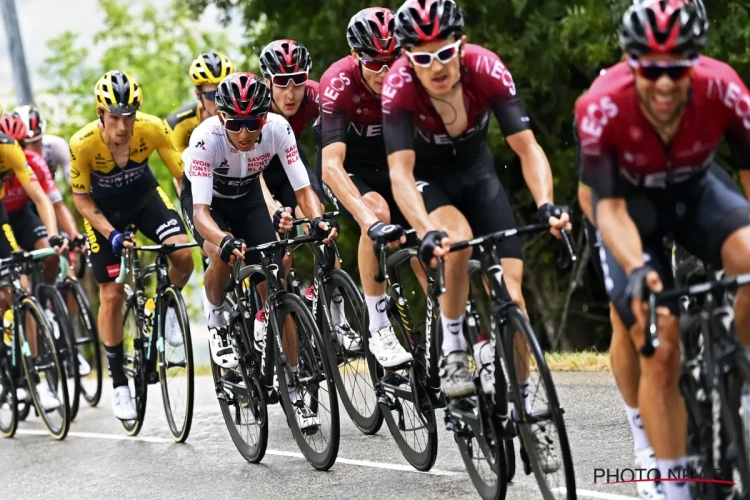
(353, 160)
(645, 153)
(436, 106)
(223, 203)
(53, 149)
(13, 163)
(114, 189)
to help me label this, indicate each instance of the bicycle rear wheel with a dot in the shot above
(350, 370)
(736, 419)
(58, 318)
(542, 429)
(134, 344)
(313, 383)
(46, 366)
(8, 402)
(176, 367)
(86, 335)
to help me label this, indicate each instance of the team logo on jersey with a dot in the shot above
(288, 130)
(201, 144)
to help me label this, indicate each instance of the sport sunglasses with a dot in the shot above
(653, 70)
(378, 65)
(251, 124)
(209, 95)
(282, 80)
(444, 55)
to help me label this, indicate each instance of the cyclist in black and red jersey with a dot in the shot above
(354, 164)
(647, 141)
(436, 110)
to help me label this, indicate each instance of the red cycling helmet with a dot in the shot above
(422, 21)
(13, 127)
(243, 95)
(371, 32)
(666, 27)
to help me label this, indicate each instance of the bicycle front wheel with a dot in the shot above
(44, 371)
(736, 419)
(86, 335)
(176, 364)
(309, 395)
(542, 428)
(8, 402)
(134, 344)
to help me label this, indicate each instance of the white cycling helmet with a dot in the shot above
(32, 118)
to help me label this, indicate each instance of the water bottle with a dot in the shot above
(148, 310)
(8, 327)
(484, 357)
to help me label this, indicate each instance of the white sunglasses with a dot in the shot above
(444, 55)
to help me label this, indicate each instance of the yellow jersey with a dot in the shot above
(182, 123)
(93, 170)
(12, 161)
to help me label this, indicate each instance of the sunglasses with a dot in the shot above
(284, 79)
(653, 70)
(444, 55)
(252, 124)
(210, 95)
(378, 65)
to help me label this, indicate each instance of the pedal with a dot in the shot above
(153, 378)
(383, 399)
(272, 397)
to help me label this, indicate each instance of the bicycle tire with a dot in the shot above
(368, 421)
(517, 322)
(139, 390)
(737, 438)
(57, 315)
(314, 360)
(8, 401)
(31, 305)
(91, 342)
(171, 295)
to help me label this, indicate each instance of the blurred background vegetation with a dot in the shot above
(553, 48)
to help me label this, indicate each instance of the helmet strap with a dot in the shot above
(362, 75)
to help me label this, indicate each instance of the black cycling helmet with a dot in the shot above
(243, 95)
(284, 56)
(371, 32)
(422, 21)
(664, 26)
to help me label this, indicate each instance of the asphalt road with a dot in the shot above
(97, 460)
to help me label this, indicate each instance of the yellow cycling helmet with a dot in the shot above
(211, 67)
(118, 93)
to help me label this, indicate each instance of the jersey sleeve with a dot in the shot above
(396, 103)
(496, 82)
(288, 153)
(80, 169)
(335, 95)
(44, 176)
(736, 101)
(59, 154)
(179, 135)
(597, 157)
(200, 158)
(13, 156)
(167, 150)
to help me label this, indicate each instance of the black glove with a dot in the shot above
(79, 241)
(228, 244)
(383, 232)
(637, 288)
(317, 231)
(548, 210)
(277, 217)
(430, 242)
(56, 241)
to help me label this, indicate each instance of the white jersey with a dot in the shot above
(216, 168)
(56, 153)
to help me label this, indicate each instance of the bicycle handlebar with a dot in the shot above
(164, 249)
(305, 220)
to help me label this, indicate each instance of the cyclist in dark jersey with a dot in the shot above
(353, 159)
(436, 109)
(647, 139)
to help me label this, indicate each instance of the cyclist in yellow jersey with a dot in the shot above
(13, 162)
(115, 189)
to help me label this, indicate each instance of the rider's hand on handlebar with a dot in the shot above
(120, 241)
(231, 249)
(393, 234)
(557, 216)
(434, 244)
(79, 243)
(59, 243)
(282, 219)
(328, 227)
(642, 281)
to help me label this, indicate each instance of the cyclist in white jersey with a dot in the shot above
(223, 203)
(54, 149)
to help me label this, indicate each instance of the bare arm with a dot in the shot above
(43, 206)
(620, 233)
(335, 176)
(405, 192)
(309, 202)
(88, 209)
(206, 225)
(536, 169)
(271, 204)
(584, 200)
(745, 182)
(65, 219)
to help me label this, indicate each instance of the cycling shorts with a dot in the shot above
(153, 215)
(478, 194)
(27, 226)
(245, 217)
(278, 182)
(699, 214)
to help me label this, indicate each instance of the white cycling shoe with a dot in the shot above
(222, 350)
(46, 398)
(172, 330)
(386, 348)
(84, 368)
(122, 404)
(645, 459)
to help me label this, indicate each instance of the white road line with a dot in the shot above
(596, 494)
(291, 454)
